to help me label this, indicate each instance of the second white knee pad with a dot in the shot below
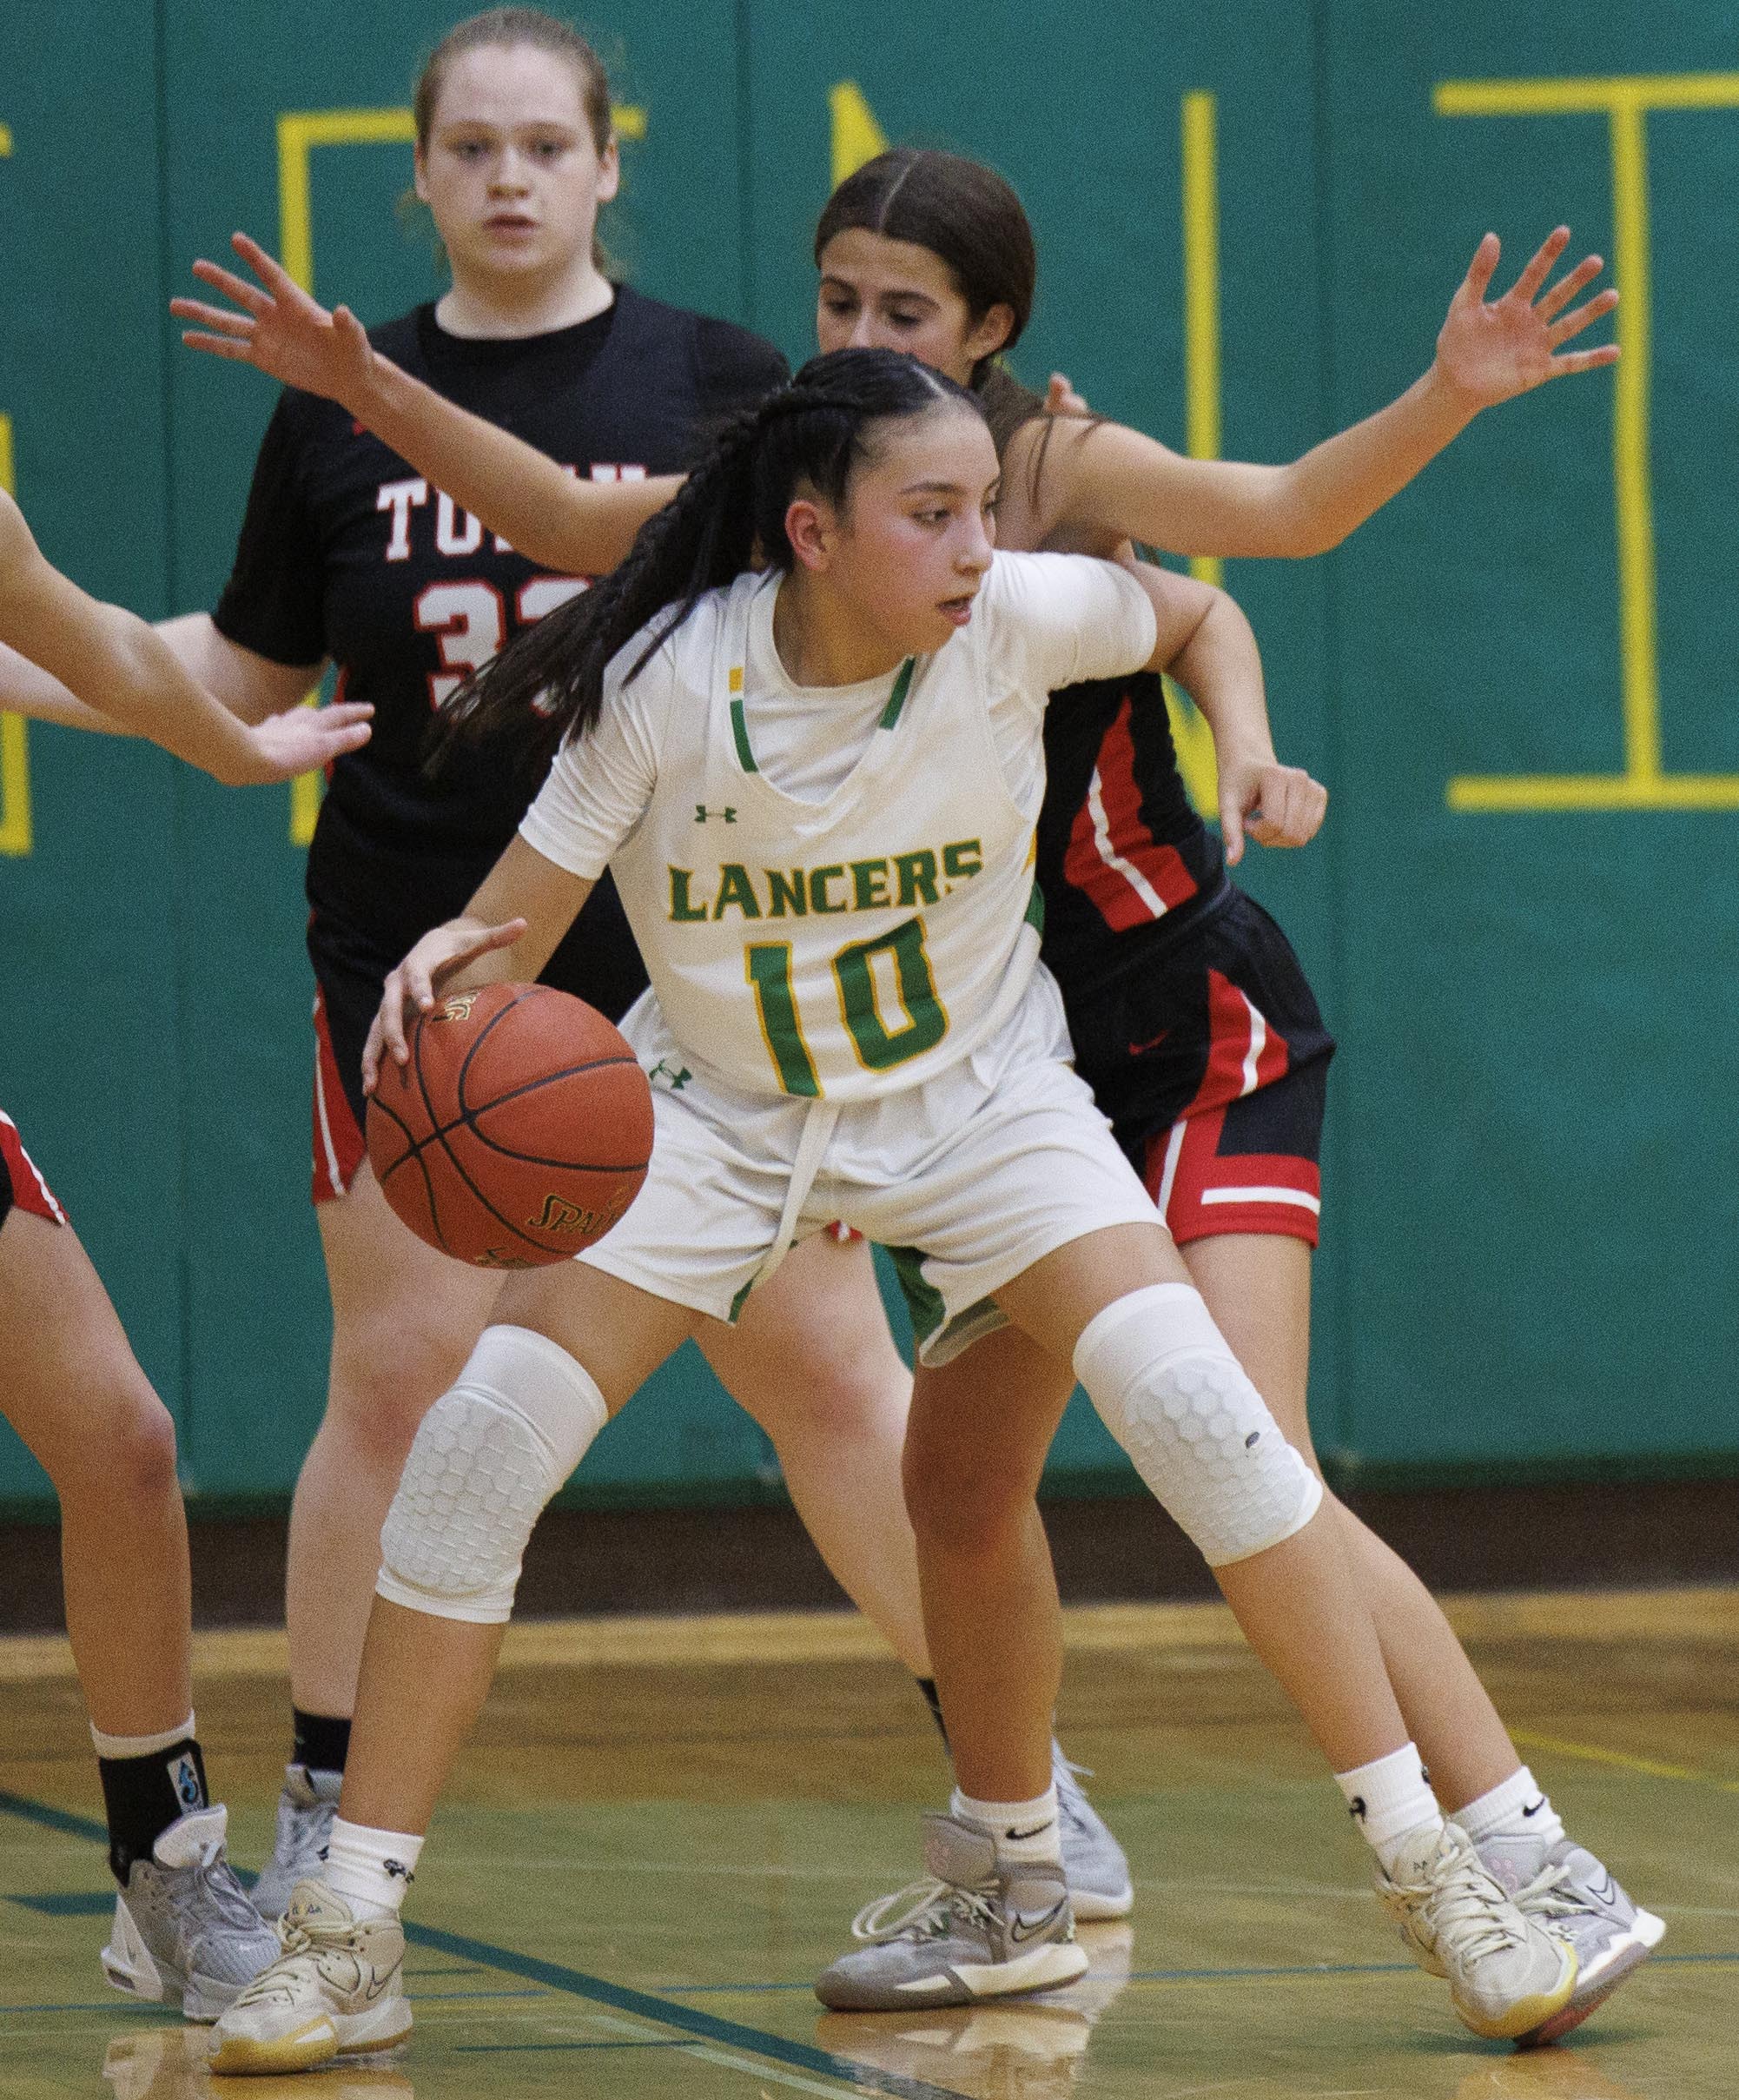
(490, 1453)
(1197, 1431)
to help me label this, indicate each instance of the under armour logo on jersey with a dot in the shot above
(675, 1081)
(184, 1778)
(702, 812)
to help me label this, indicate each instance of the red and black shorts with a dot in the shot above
(22, 1187)
(1210, 1061)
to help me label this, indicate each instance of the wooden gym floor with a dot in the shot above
(663, 1829)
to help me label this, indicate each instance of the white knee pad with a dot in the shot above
(1198, 1433)
(490, 1452)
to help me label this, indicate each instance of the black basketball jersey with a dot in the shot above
(346, 551)
(1124, 862)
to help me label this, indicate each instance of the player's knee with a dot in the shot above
(487, 1457)
(131, 1459)
(385, 1379)
(840, 1402)
(1196, 1429)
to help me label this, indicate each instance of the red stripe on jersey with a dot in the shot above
(1113, 858)
(338, 1149)
(29, 1191)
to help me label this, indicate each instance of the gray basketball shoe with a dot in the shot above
(306, 1809)
(1566, 1888)
(337, 1990)
(1098, 1873)
(974, 1932)
(1508, 1976)
(185, 1933)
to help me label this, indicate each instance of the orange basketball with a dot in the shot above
(520, 1130)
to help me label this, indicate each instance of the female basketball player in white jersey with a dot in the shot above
(184, 1931)
(928, 253)
(855, 994)
(348, 555)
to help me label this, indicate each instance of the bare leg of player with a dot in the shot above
(980, 1432)
(424, 1676)
(183, 1933)
(1257, 1286)
(404, 1319)
(1296, 1602)
(812, 1360)
(75, 1395)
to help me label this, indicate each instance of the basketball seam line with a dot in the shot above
(437, 1134)
(414, 1154)
(452, 1158)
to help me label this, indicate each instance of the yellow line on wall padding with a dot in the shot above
(17, 829)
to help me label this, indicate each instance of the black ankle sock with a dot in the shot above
(927, 1686)
(143, 1796)
(322, 1740)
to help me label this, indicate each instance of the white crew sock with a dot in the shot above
(1517, 1807)
(1391, 1798)
(142, 1746)
(1026, 1834)
(370, 1869)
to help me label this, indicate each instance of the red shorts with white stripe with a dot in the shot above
(339, 1149)
(22, 1187)
(1211, 1062)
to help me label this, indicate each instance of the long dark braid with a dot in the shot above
(547, 685)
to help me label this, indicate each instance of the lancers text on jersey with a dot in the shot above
(898, 881)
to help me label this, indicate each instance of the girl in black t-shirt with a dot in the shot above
(350, 555)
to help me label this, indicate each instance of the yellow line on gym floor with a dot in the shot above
(1622, 1760)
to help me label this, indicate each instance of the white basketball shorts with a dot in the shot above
(968, 1178)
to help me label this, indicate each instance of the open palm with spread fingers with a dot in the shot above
(1491, 350)
(277, 327)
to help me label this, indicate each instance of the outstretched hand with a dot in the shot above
(305, 740)
(1492, 349)
(277, 327)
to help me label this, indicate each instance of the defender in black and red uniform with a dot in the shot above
(347, 555)
(1188, 1011)
(1192, 1019)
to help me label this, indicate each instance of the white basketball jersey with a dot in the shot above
(857, 944)
(844, 948)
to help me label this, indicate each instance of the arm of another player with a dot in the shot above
(1106, 475)
(248, 685)
(1206, 645)
(113, 665)
(510, 929)
(581, 528)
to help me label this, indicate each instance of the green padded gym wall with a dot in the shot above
(1516, 681)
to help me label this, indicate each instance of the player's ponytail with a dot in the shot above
(728, 518)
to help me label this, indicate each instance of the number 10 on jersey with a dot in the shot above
(879, 1047)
